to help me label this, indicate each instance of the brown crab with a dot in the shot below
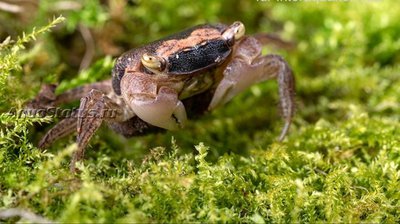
(159, 85)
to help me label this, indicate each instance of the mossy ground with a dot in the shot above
(340, 162)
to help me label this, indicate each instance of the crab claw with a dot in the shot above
(249, 67)
(160, 108)
(164, 111)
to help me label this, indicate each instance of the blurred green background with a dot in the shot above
(338, 164)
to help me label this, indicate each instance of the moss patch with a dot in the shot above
(340, 162)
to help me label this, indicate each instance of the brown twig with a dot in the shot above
(90, 48)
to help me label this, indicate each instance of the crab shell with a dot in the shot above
(192, 51)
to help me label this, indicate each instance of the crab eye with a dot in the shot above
(234, 32)
(239, 30)
(153, 62)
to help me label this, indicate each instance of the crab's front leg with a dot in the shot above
(154, 104)
(95, 108)
(248, 67)
(47, 99)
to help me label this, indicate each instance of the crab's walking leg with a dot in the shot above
(48, 99)
(94, 109)
(61, 129)
(274, 40)
(248, 67)
(81, 91)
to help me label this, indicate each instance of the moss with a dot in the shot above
(340, 162)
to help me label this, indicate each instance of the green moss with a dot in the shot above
(340, 162)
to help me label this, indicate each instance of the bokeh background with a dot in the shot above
(338, 164)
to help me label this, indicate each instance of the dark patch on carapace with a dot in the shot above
(118, 72)
(198, 58)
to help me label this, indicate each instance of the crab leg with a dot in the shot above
(81, 91)
(94, 109)
(63, 128)
(248, 67)
(274, 40)
(48, 99)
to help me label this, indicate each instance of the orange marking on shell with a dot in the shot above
(195, 38)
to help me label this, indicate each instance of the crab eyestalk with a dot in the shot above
(153, 63)
(234, 32)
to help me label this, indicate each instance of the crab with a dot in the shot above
(160, 85)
